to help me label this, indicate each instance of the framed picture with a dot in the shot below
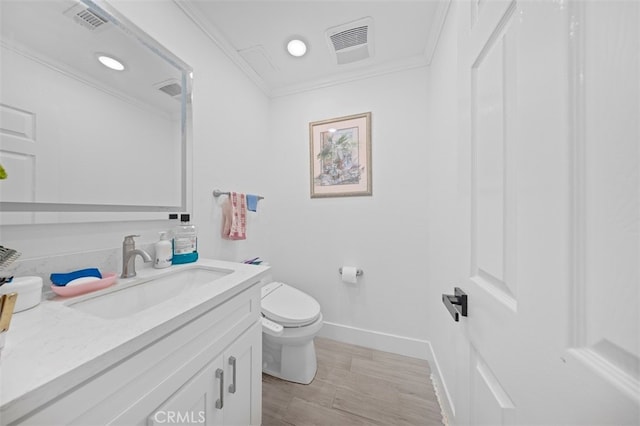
(340, 151)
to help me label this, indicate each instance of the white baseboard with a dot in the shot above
(442, 392)
(401, 345)
(386, 342)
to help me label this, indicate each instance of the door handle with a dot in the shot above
(456, 304)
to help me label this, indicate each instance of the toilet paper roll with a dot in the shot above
(350, 274)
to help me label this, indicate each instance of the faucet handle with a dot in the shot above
(128, 239)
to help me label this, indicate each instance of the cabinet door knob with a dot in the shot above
(232, 386)
(220, 401)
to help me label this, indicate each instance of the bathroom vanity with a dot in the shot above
(180, 345)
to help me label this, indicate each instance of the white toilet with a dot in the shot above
(290, 321)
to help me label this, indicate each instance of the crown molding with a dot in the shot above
(193, 12)
(436, 29)
(343, 78)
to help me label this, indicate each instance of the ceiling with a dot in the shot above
(403, 35)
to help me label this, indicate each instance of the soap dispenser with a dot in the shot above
(164, 252)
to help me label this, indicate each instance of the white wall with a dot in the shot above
(230, 125)
(385, 234)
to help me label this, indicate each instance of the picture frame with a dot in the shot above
(340, 156)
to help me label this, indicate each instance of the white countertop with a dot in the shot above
(51, 348)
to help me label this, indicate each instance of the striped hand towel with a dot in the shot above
(234, 217)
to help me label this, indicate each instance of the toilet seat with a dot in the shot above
(288, 306)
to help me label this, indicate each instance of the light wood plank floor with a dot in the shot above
(354, 386)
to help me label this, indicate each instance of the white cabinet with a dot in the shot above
(242, 365)
(207, 372)
(223, 393)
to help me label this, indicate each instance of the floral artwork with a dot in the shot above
(341, 156)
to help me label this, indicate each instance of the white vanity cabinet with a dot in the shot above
(185, 376)
(221, 393)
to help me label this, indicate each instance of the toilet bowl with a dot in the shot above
(290, 321)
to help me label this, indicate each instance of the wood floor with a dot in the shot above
(354, 386)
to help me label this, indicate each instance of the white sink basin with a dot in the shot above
(122, 302)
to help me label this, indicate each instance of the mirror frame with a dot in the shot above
(125, 25)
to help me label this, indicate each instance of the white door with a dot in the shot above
(18, 153)
(550, 119)
(243, 372)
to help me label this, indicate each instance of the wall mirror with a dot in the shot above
(81, 141)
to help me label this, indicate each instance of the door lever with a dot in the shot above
(456, 304)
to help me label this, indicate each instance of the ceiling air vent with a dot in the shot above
(351, 42)
(86, 17)
(171, 87)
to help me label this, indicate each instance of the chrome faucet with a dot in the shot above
(129, 252)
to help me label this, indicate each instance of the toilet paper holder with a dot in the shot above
(359, 272)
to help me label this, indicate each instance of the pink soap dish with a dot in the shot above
(76, 290)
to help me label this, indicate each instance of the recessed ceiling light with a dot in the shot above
(296, 47)
(110, 62)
